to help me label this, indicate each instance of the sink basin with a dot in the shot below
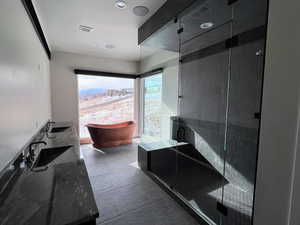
(47, 155)
(58, 129)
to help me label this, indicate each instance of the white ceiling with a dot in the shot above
(61, 19)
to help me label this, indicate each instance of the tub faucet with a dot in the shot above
(31, 151)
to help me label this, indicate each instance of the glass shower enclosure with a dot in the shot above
(212, 168)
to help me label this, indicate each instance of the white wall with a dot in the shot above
(277, 202)
(169, 62)
(24, 80)
(64, 81)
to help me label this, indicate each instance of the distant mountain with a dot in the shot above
(91, 91)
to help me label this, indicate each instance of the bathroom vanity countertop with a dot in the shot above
(59, 195)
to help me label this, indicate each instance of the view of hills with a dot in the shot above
(92, 91)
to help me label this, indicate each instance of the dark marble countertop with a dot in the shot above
(59, 194)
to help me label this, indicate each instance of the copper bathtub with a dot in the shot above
(105, 136)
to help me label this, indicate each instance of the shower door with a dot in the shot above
(221, 70)
(203, 89)
(243, 116)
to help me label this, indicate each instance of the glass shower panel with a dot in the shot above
(204, 16)
(244, 99)
(165, 39)
(161, 50)
(164, 166)
(249, 15)
(242, 131)
(202, 118)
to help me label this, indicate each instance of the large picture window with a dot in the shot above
(104, 100)
(152, 114)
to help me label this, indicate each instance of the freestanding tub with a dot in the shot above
(104, 136)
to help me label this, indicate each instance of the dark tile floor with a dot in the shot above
(125, 195)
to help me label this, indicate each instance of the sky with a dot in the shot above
(91, 82)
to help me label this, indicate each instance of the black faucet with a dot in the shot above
(48, 125)
(31, 151)
(48, 128)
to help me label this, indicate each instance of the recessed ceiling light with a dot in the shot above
(120, 4)
(86, 28)
(140, 10)
(206, 25)
(109, 46)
